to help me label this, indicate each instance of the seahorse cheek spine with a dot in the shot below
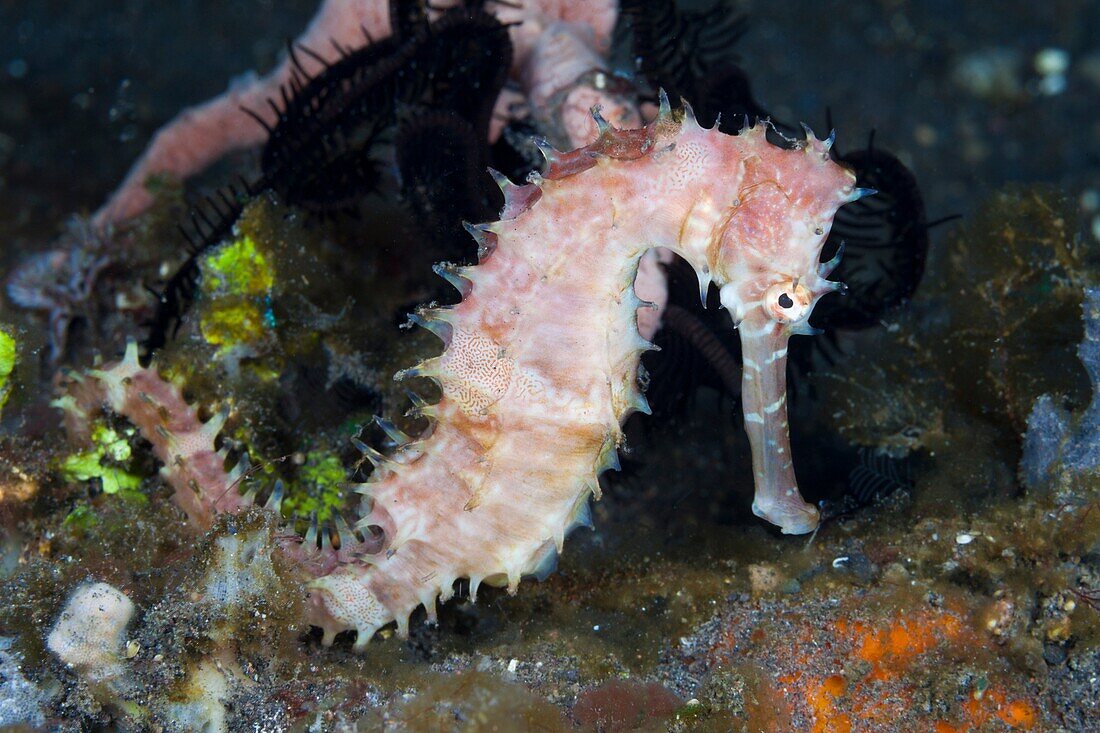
(541, 356)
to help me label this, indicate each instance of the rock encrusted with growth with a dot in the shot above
(1056, 438)
(21, 700)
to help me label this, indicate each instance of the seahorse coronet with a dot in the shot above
(540, 364)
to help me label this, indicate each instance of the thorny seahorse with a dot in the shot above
(541, 362)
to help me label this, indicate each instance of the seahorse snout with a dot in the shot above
(792, 517)
(764, 400)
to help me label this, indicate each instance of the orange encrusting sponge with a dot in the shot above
(863, 675)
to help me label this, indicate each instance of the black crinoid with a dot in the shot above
(210, 223)
(690, 54)
(322, 154)
(885, 240)
(418, 101)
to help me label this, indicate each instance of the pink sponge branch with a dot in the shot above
(201, 135)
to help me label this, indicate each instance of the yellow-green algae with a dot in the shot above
(106, 460)
(7, 364)
(81, 518)
(320, 488)
(236, 285)
(241, 323)
(269, 312)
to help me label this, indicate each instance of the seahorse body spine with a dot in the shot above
(541, 355)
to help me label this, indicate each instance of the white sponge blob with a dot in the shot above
(89, 634)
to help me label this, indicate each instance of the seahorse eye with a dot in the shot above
(787, 301)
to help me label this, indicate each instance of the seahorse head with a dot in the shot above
(765, 258)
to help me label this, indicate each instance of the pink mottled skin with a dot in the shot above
(565, 78)
(201, 135)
